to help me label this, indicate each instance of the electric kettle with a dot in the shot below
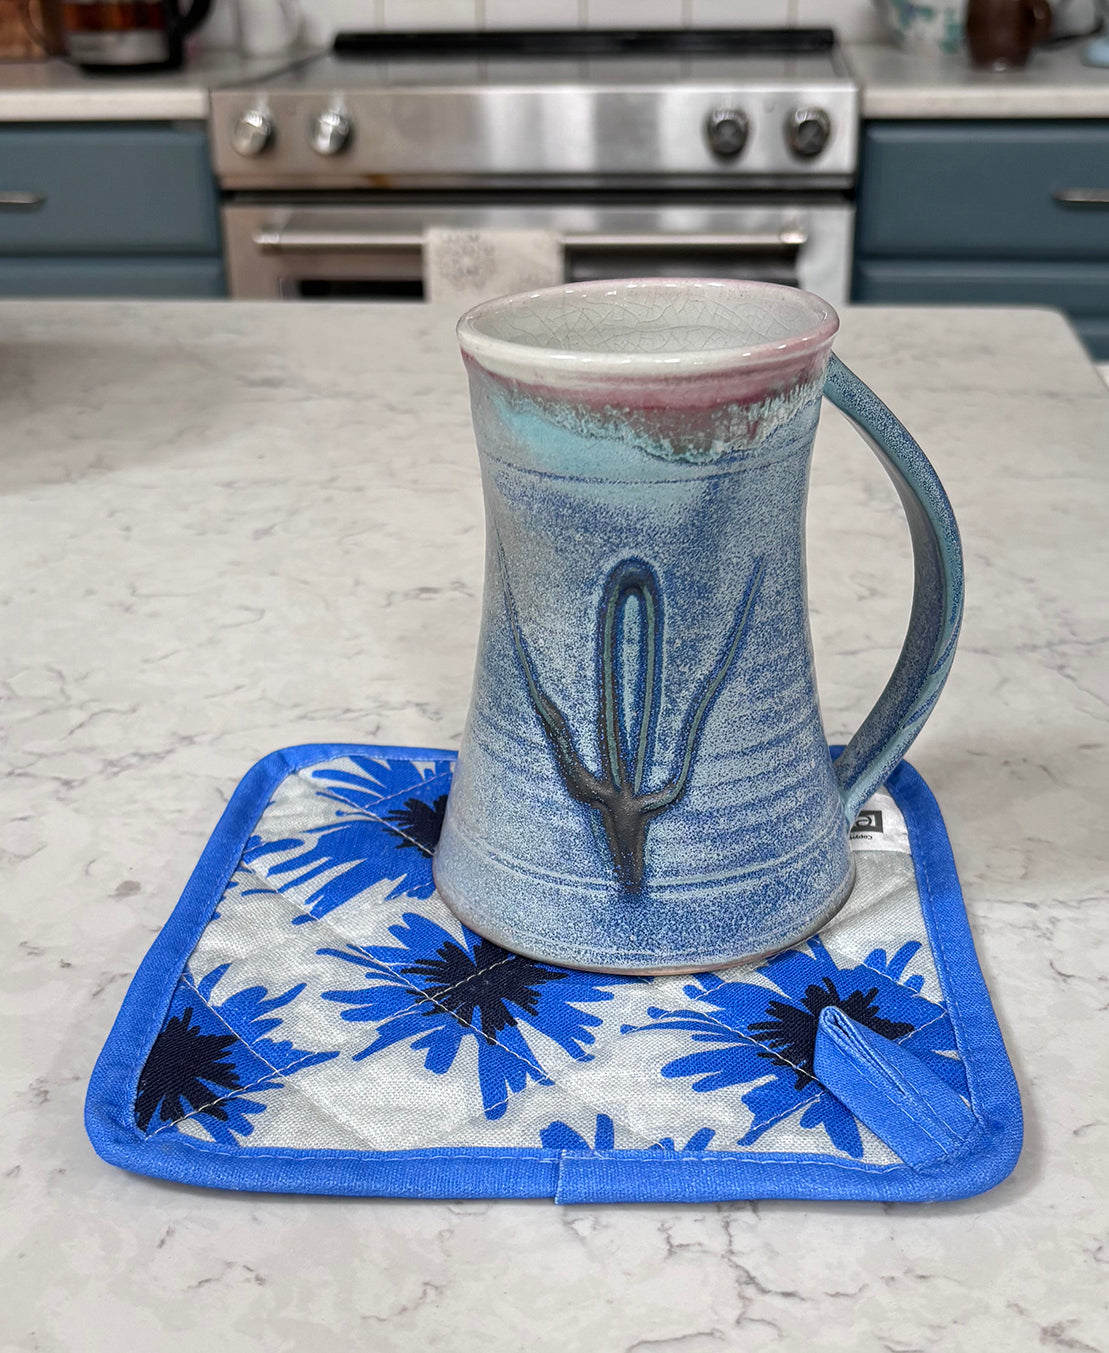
(129, 35)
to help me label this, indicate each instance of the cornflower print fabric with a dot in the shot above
(312, 1018)
(765, 1037)
(213, 1058)
(436, 990)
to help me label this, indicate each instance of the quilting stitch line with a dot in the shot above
(483, 1113)
(246, 1089)
(322, 791)
(758, 1043)
(329, 1112)
(425, 998)
(576, 1095)
(355, 943)
(367, 815)
(232, 1094)
(728, 1159)
(158, 1012)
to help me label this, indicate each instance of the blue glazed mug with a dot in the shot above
(644, 784)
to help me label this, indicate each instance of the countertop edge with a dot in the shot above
(55, 91)
(106, 105)
(899, 85)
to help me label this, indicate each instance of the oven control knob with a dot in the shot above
(808, 131)
(253, 132)
(330, 132)
(726, 132)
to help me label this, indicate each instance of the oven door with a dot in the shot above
(351, 250)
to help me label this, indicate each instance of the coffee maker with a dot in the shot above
(129, 35)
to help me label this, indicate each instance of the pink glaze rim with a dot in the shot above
(552, 367)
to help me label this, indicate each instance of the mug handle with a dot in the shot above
(1039, 17)
(937, 610)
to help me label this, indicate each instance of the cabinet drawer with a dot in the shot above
(162, 277)
(983, 189)
(1078, 288)
(107, 188)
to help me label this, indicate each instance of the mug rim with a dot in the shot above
(530, 362)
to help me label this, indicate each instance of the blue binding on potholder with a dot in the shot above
(312, 1019)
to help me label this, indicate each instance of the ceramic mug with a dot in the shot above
(644, 784)
(925, 29)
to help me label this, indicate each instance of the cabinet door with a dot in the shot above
(158, 277)
(109, 188)
(983, 189)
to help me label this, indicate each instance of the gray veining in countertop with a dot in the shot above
(231, 527)
(909, 84)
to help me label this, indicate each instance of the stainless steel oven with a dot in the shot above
(725, 154)
(351, 250)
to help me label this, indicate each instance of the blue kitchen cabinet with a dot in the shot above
(984, 213)
(108, 209)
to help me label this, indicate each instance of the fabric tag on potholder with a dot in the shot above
(313, 1019)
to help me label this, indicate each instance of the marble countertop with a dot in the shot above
(231, 527)
(902, 84)
(55, 91)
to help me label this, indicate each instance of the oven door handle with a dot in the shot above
(293, 240)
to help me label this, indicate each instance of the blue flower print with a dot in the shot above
(559, 1136)
(698, 1142)
(389, 818)
(437, 990)
(207, 1056)
(240, 885)
(767, 1035)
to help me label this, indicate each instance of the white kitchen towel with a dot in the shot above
(463, 267)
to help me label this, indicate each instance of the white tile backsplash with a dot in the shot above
(854, 20)
(533, 13)
(634, 13)
(420, 16)
(324, 18)
(742, 13)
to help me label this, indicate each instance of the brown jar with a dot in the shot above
(1001, 33)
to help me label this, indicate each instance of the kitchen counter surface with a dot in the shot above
(902, 84)
(55, 91)
(227, 528)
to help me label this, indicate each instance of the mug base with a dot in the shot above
(681, 968)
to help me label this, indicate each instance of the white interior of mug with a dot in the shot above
(645, 326)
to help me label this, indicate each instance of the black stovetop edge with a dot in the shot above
(589, 42)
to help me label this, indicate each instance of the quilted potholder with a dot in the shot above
(312, 1019)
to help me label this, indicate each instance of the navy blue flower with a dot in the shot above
(207, 1056)
(388, 826)
(436, 990)
(559, 1136)
(752, 1033)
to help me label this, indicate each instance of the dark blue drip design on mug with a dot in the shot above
(624, 807)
